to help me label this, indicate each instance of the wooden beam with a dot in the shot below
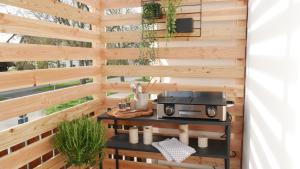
(232, 91)
(176, 71)
(214, 52)
(206, 34)
(58, 161)
(27, 154)
(95, 4)
(31, 27)
(114, 4)
(23, 105)
(239, 12)
(24, 52)
(21, 133)
(56, 8)
(29, 78)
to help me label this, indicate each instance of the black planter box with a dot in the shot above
(184, 25)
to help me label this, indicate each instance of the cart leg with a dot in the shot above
(117, 158)
(227, 163)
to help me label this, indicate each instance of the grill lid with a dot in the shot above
(193, 98)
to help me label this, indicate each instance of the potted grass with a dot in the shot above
(81, 141)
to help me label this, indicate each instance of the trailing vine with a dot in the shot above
(148, 51)
(171, 7)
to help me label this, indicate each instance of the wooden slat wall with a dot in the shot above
(30, 145)
(223, 28)
(221, 48)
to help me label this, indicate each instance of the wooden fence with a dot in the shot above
(29, 145)
(222, 44)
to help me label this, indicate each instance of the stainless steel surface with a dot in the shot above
(187, 104)
(191, 111)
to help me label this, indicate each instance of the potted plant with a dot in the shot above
(171, 7)
(183, 25)
(152, 10)
(81, 141)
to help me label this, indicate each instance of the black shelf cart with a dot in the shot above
(215, 149)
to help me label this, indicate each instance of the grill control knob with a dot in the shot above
(169, 110)
(211, 111)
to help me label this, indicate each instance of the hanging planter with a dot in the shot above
(152, 10)
(184, 25)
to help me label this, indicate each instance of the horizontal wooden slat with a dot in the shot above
(56, 8)
(23, 105)
(53, 163)
(158, 156)
(232, 91)
(206, 34)
(29, 130)
(25, 155)
(24, 26)
(95, 4)
(29, 78)
(111, 4)
(176, 71)
(211, 25)
(24, 52)
(179, 53)
(110, 164)
(222, 14)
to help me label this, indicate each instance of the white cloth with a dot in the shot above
(174, 150)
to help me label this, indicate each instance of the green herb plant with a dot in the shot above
(170, 10)
(148, 52)
(151, 10)
(81, 141)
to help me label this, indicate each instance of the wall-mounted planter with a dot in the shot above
(184, 25)
(152, 10)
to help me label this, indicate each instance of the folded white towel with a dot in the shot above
(174, 150)
(162, 150)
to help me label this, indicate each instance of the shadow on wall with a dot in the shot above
(272, 116)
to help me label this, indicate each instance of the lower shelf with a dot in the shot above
(215, 149)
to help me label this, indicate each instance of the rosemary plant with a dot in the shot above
(81, 140)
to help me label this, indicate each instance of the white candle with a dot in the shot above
(202, 142)
(184, 134)
(133, 135)
(148, 135)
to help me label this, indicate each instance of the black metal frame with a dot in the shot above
(226, 124)
(200, 13)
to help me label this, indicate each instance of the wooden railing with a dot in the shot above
(30, 144)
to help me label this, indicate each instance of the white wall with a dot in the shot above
(272, 117)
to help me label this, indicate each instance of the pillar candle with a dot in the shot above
(133, 135)
(202, 142)
(148, 135)
(184, 134)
